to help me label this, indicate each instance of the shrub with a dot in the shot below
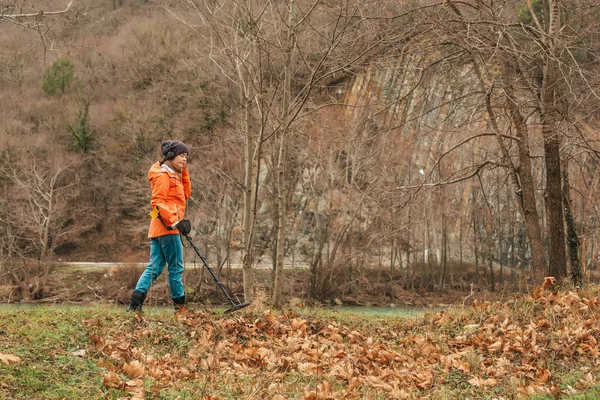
(81, 135)
(524, 15)
(57, 77)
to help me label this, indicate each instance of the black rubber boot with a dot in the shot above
(137, 300)
(179, 303)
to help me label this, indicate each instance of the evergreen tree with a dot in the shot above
(57, 77)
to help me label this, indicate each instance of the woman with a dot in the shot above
(171, 187)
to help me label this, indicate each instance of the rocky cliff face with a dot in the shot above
(391, 136)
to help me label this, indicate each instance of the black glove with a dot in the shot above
(184, 227)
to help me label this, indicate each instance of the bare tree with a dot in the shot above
(17, 13)
(41, 211)
(14, 12)
(277, 54)
(524, 63)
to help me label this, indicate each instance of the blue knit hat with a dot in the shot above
(172, 148)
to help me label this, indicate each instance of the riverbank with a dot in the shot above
(537, 347)
(90, 283)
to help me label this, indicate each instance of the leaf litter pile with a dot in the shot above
(541, 344)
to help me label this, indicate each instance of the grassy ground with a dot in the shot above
(536, 347)
(46, 339)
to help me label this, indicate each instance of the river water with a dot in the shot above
(385, 311)
(403, 311)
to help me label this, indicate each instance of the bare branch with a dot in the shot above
(478, 169)
(37, 14)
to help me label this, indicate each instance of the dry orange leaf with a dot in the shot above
(9, 359)
(112, 380)
(480, 382)
(134, 369)
(542, 376)
(494, 347)
(392, 363)
(549, 282)
(310, 396)
(297, 324)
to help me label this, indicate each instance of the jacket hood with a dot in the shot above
(155, 169)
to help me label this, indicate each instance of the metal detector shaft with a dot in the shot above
(235, 306)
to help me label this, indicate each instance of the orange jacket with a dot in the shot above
(169, 194)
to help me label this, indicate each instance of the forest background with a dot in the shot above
(378, 147)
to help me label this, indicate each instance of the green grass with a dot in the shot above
(45, 338)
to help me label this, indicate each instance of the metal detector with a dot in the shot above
(234, 306)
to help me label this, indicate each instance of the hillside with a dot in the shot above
(352, 138)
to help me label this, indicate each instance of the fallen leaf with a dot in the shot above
(134, 369)
(79, 353)
(9, 359)
(480, 382)
(112, 380)
(549, 282)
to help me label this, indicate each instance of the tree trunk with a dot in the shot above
(499, 230)
(277, 298)
(249, 206)
(410, 275)
(522, 182)
(490, 242)
(252, 154)
(475, 235)
(281, 163)
(314, 266)
(554, 208)
(460, 246)
(572, 238)
(557, 258)
(526, 189)
(444, 266)
(553, 196)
